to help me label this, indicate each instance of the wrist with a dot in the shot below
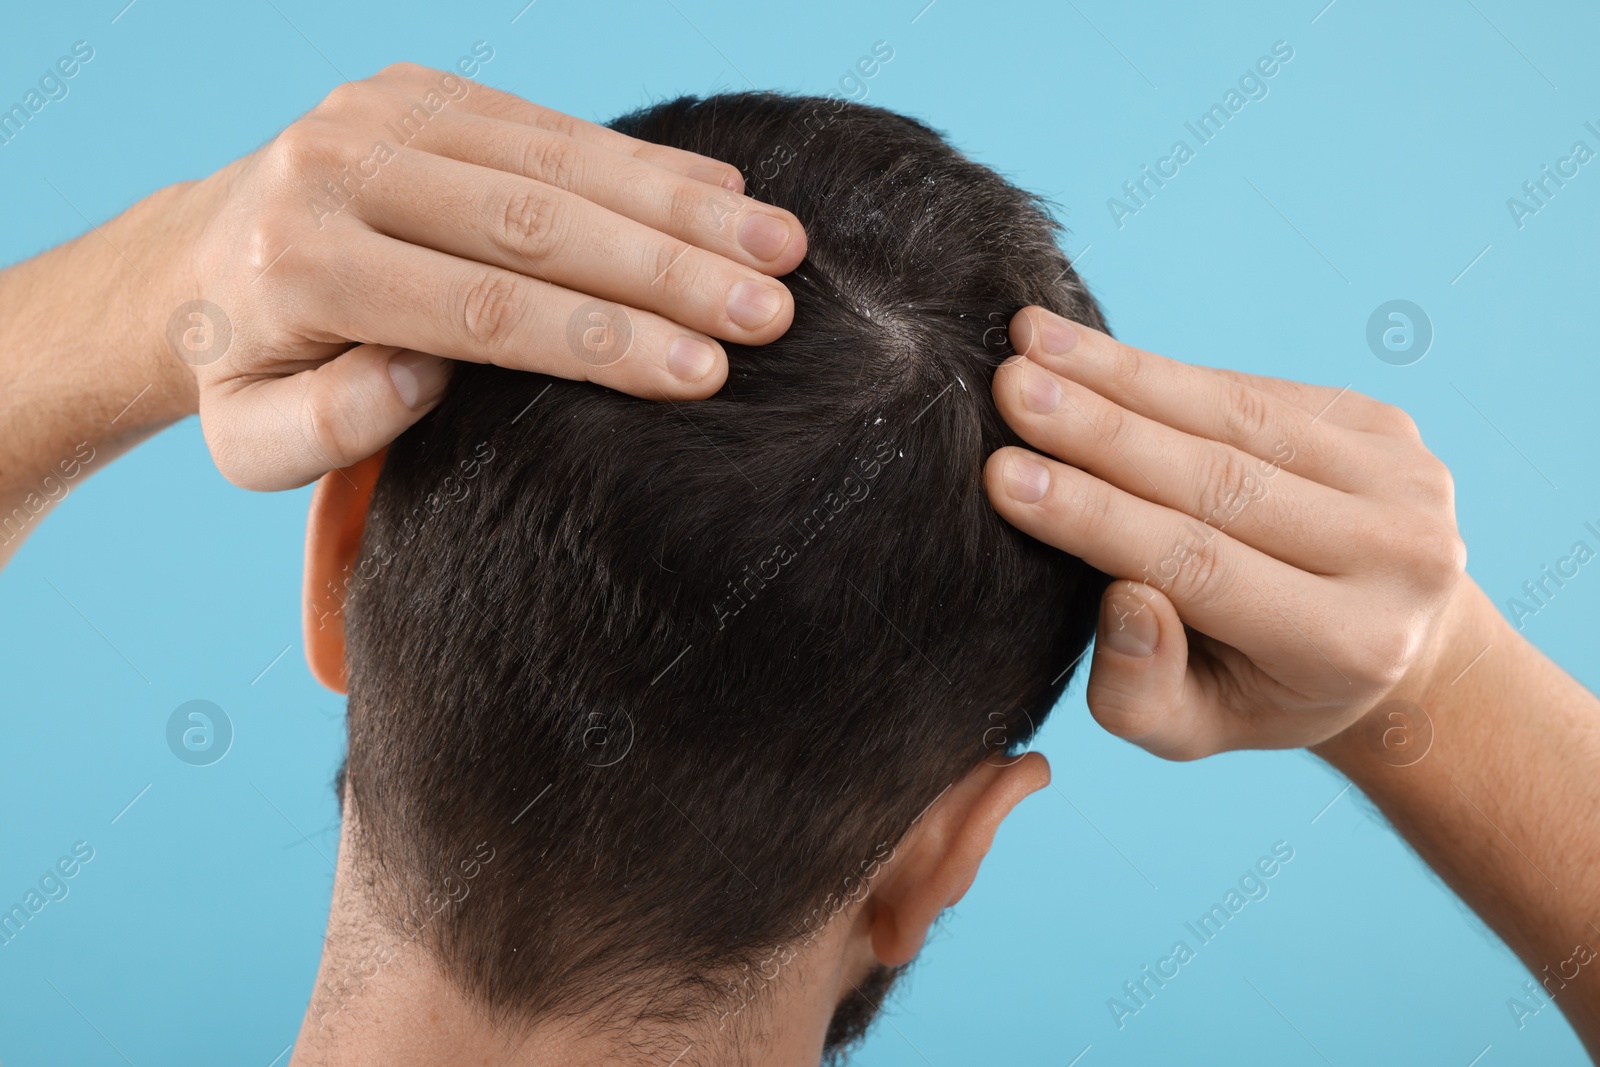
(145, 298)
(1400, 730)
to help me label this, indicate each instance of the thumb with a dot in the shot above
(1140, 688)
(281, 432)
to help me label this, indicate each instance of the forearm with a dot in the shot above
(85, 371)
(1505, 805)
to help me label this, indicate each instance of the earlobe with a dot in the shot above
(334, 526)
(937, 861)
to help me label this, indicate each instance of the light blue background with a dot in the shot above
(1380, 162)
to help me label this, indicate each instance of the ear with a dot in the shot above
(333, 539)
(937, 860)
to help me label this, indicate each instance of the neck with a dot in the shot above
(381, 998)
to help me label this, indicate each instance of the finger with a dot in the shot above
(1342, 407)
(438, 303)
(1192, 399)
(1229, 590)
(1255, 500)
(480, 99)
(747, 231)
(1178, 698)
(281, 432)
(559, 237)
(1140, 688)
(1319, 401)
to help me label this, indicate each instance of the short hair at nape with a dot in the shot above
(686, 670)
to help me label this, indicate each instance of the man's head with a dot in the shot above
(688, 674)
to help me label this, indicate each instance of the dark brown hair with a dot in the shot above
(688, 671)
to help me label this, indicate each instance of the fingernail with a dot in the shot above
(764, 236)
(714, 176)
(1026, 480)
(1056, 335)
(1039, 390)
(1128, 625)
(418, 377)
(690, 359)
(753, 305)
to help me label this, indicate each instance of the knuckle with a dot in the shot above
(1441, 555)
(1348, 402)
(559, 122)
(1394, 421)
(1111, 420)
(330, 426)
(670, 264)
(267, 238)
(344, 99)
(1364, 402)
(1446, 483)
(1199, 569)
(1455, 554)
(551, 158)
(488, 309)
(635, 182)
(299, 150)
(1246, 415)
(1435, 480)
(403, 69)
(684, 207)
(1383, 664)
(1128, 369)
(1223, 478)
(1375, 658)
(528, 223)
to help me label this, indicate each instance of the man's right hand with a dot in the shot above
(1294, 577)
(1291, 550)
(418, 212)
